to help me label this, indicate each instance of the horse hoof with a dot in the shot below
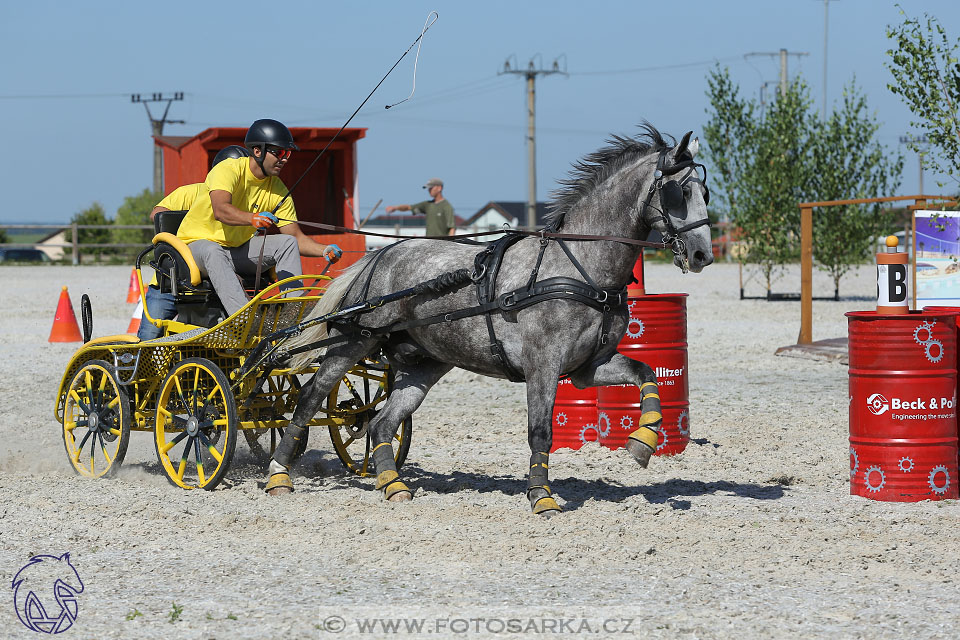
(641, 451)
(279, 491)
(401, 496)
(546, 507)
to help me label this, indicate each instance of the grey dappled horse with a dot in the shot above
(616, 191)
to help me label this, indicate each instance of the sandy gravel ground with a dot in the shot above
(751, 532)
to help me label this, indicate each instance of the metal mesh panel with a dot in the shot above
(224, 344)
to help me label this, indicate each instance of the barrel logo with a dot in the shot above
(877, 404)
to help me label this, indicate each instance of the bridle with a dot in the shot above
(670, 196)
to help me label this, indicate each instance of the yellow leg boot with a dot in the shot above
(279, 483)
(642, 443)
(393, 489)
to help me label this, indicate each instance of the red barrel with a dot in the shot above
(657, 336)
(948, 310)
(903, 396)
(574, 416)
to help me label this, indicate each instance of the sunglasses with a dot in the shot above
(281, 154)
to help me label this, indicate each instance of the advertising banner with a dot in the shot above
(937, 249)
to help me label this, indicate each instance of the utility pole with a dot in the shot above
(531, 73)
(156, 126)
(916, 142)
(826, 13)
(782, 54)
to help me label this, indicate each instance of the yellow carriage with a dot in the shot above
(194, 388)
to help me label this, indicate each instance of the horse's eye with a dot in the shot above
(686, 191)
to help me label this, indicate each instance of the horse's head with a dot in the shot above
(676, 205)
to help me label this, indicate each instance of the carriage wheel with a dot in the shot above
(96, 418)
(259, 439)
(356, 398)
(195, 432)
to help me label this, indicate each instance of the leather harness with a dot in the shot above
(486, 269)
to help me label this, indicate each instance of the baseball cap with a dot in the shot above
(433, 182)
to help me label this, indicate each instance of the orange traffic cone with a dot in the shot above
(135, 319)
(133, 291)
(65, 327)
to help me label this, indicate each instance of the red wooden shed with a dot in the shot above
(325, 195)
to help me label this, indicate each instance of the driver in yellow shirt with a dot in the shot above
(163, 306)
(243, 193)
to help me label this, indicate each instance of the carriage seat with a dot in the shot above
(177, 273)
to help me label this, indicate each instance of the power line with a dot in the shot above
(61, 96)
(666, 67)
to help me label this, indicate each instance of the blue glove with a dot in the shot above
(264, 219)
(332, 253)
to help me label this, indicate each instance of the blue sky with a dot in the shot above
(312, 63)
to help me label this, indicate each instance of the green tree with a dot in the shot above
(94, 214)
(3, 236)
(764, 166)
(135, 210)
(850, 163)
(768, 163)
(926, 75)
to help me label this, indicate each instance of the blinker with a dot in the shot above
(671, 194)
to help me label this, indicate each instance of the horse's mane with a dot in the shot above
(591, 171)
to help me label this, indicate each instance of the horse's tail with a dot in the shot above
(329, 302)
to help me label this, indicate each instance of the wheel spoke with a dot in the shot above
(83, 442)
(196, 388)
(170, 445)
(183, 460)
(183, 400)
(103, 449)
(213, 450)
(201, 480)
(80, 403)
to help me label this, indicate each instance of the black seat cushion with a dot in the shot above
(168, 221)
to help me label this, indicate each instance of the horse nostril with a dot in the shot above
(702, 258)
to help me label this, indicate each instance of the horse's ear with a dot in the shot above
(682, 147)
(694, 147)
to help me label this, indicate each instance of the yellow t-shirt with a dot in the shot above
(233, 175)
(182, 198)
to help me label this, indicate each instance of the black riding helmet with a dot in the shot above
(268, 132)
(233, 151)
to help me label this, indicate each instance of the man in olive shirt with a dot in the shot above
(439, 211)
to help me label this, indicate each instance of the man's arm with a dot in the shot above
(398, 207)
(225, 212)
(157, 209)
(307, 245)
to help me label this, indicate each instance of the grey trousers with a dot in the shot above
(221, 264)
